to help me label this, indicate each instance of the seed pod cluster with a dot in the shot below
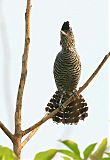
(75, 111)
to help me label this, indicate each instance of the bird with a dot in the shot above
(67, 72)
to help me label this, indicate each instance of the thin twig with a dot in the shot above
(94, 74)
(44, 119)
(50, 115)
(29, 137)
(24, 70)
(31, 134)
(6, 131)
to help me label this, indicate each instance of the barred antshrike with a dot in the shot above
(67, 70)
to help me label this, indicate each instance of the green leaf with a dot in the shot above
(107, 153)
(49, 154)
(100, 151)
(87, 152)
(46, 155)
(66, 158)
(70, 154)
(71, 145)
(105, 158)
(7, 154)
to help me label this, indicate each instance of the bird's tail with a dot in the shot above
(75, 111)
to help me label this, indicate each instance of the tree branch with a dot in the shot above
(17, 135)
(6, 131)
(94, 73)
(24, 69)
(29, 137)
(50, 115)
(44, 119)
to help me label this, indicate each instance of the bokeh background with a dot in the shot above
(89, 20)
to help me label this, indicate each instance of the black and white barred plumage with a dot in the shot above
(67, 70)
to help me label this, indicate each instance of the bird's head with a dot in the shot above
(67, 37)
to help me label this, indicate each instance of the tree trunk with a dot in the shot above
(17, 147)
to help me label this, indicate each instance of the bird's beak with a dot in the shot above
(63, 33)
